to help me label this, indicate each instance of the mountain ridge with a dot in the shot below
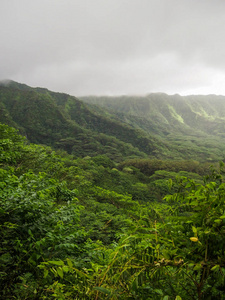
(73, 115)
(157, 125)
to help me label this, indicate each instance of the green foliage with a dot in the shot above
(10, 145)
(150, 166)
(33, 227)
(179, 256)
(88, 228)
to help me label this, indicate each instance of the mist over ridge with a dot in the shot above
(156, 125)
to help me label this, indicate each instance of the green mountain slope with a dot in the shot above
(193, 124)
(63, 121)
(175, 113)
(155, 126)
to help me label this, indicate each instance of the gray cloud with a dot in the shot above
(114, 46)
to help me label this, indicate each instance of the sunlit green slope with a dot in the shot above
(193, 124)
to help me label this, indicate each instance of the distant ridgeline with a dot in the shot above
(127, 127)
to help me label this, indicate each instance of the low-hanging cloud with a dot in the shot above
(114, 47)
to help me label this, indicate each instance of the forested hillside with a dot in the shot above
(193, 124)
(65, 122)
(97, 204)
(156, 126)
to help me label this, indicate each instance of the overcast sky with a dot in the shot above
(114, 47)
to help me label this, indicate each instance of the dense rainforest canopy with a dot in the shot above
(93, 207)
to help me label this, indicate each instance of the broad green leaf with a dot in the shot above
(194, 229)
(215, 268)
(197, 267)
(218, 221)
(60, 272)
(69, 262)
(56, 262)
(65, 269)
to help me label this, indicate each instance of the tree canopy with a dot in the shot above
(88, 228)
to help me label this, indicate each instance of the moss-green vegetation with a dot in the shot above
(88, 228)
(96, 217)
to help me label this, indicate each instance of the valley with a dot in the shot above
(111, 197)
